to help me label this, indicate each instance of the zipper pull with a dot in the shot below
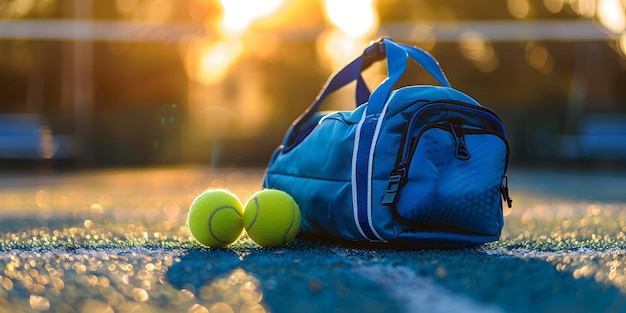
(395, 180)
(461, 150)
(504, 190)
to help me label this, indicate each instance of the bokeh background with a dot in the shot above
(152, 82)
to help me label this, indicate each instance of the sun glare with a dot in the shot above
(337, 48)
(356, 18)
(212, 59)
(208, 61)
(611, 15)
(216, 59)
(239, 14)
(353, 21)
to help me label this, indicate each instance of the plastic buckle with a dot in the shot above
(392, 189)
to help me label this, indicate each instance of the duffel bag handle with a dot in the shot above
(397, 56)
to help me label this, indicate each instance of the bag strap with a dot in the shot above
(397, 56)
(396, 66)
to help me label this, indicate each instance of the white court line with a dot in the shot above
(526, 253)
(420, 294)
(415, 293)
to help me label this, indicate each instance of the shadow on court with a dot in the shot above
(310, 278)
(290, 280)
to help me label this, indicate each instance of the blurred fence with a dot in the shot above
(141, 92)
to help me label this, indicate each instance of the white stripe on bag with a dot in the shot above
(355, 205)
(370, 168)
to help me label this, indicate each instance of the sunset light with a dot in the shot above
(480, 51)
(336, 48)
(209, 60)
(354, 22)
(216, 59)
(553, 6)
(354, 17)
(424, 156)
(239, 14)
(518, 8)
(611, 15)
(585, 8)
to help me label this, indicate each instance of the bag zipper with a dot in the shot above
(454, 105)
(458, 132)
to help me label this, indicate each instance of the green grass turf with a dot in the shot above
(115, 241)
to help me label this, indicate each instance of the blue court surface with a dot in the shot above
(115, 241)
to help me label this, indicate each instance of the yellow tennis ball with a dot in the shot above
(271, 218)
(215, 218)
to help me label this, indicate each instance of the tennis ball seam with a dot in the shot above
(256, 213)
(293, 221)
(226, 207)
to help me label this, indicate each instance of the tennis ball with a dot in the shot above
(271, 218)
(215, 218)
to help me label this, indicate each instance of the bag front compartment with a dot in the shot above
(452, 175)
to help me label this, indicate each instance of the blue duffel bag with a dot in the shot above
(421, 166)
